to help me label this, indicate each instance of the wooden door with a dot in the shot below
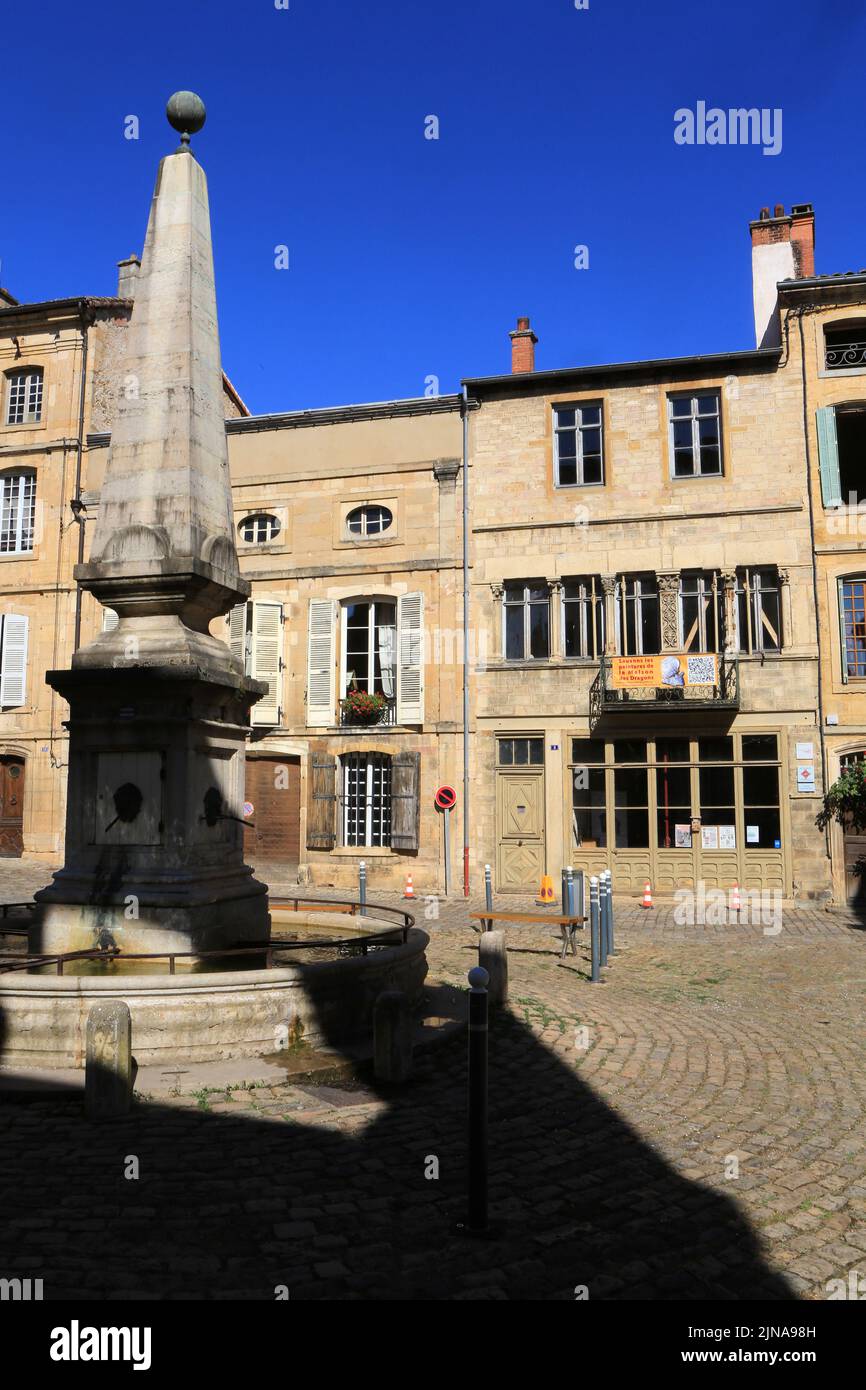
(273, 831)
(520, 831)
(11, 807)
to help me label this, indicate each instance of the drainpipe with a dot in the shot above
(76, 503)
(465, 414)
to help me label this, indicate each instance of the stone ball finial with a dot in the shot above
(186, 113)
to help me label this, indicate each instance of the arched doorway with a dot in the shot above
(11, 806)
(855, 846)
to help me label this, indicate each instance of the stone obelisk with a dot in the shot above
(159, 709)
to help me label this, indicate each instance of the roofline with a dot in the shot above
(345, 414)
(653, 364)
(814, 282)
(232, 390)
(78, 302)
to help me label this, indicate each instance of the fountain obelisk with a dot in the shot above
(159, 709)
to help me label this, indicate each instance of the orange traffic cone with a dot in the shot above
(546, 893)
(735, 897)
(408, 891)
(647, 899)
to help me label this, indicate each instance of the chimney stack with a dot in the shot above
(127, 274)
(783, 248)
(523, 342)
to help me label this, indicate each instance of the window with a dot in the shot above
(578, 450)
(368, 521)
(583, 617)
(702, 621)
(526, 609)
(588, 808)
(845, 348)
(521, 752)
(695, 435)
(841, 453)
(24, 397)
(366, 799)
(17, 512)
(259, 529)
(370, 650)
(14, 632)
(256, 640)
(853, 606)
(758, 612)
(637, 615)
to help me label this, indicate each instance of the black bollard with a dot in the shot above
(477, 1129)
(488, 895)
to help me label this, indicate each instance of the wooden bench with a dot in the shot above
(567, 925)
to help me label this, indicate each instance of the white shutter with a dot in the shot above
(267, 660)
(13, 660)
(109, 620)
(410, 659)
(321, 685)
(237, 621)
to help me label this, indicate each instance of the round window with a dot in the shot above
(369, 521)
(258, 530)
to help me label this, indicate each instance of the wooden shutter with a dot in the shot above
(828, 457)
(405, 800)
(266, 662)
(322, 802)
(237, 621)
(321, 683)
(410, 659)
(13, 660)
(109, 620)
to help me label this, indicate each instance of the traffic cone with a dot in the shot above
(546, 894)
(408, 891)
(735, 897)
(647, 900)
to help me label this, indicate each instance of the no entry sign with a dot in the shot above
(446, 798)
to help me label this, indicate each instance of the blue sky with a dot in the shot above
(410, 257)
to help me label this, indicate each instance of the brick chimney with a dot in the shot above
(127, 274)
(783, 248)
(523, 342)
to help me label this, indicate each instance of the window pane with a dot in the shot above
(592, 468)
(716, 750)
(717, 787)
(564, 418)
(650, 629)
(539, 640)
(630, 786)
(629, 750)
(760, 747)
(506, 752)
(521, 752)
(683, 463)
(681, 405)
(672, 750)
(760, 786)
(673, 786)
(587, 750)
(589, 819)
(568, 472)
(683, 434)
(590, 415)
(668, 818)
(766, 822)
(710, 460)
(514, 633)
(708, 405)
(536, 750)
(632, 829)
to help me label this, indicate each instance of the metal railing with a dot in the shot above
(387, 716)
(724, 693)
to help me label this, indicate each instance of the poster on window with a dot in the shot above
(682, 836)
(669, 671)
(727, 837)
(709, 837)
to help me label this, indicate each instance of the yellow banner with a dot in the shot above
(668, 671)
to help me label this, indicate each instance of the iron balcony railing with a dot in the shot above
(850, 353)
(721, 693)
(388, 715)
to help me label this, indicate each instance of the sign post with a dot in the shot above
(445, 800)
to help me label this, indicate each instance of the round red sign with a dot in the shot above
(446, 798)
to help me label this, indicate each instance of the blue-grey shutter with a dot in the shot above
(828, 456)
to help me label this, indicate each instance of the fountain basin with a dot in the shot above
(215, 1015)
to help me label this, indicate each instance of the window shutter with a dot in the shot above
(410, 659)
(321, 684)
(266, 663)
(13, 660)
(828, 457)
(109, 620)
(322, 803)
(405, 800)
(237, 621)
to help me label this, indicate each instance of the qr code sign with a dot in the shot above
(701, 670)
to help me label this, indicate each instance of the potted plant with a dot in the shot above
(362, 707)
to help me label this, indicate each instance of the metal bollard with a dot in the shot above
(611, 950)
(477, 1127)
(362, 886)
(594, 930)
(602, 917)
(580, 894)
(564, 898)
(569, 888)
(488, 894)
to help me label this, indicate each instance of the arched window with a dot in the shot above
(845, 346)
(371, 520)
(852, 604)
(17, 511)
(259, 529)
(24, 396)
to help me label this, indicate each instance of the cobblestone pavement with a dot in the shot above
(692, 1128)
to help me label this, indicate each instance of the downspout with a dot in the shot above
(465, 414)
(821, 739)
(76, 503)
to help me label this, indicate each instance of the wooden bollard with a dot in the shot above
(392, 1037)
(108, 1061)
(493, 957)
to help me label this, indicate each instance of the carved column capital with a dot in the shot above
(784, 576)
(608, 585)
(497, 588)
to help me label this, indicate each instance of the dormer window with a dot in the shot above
(369, 521)
(845, 348)
(259, 529)
(24, 397)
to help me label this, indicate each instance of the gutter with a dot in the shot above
(464, 411)
(657, 364)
